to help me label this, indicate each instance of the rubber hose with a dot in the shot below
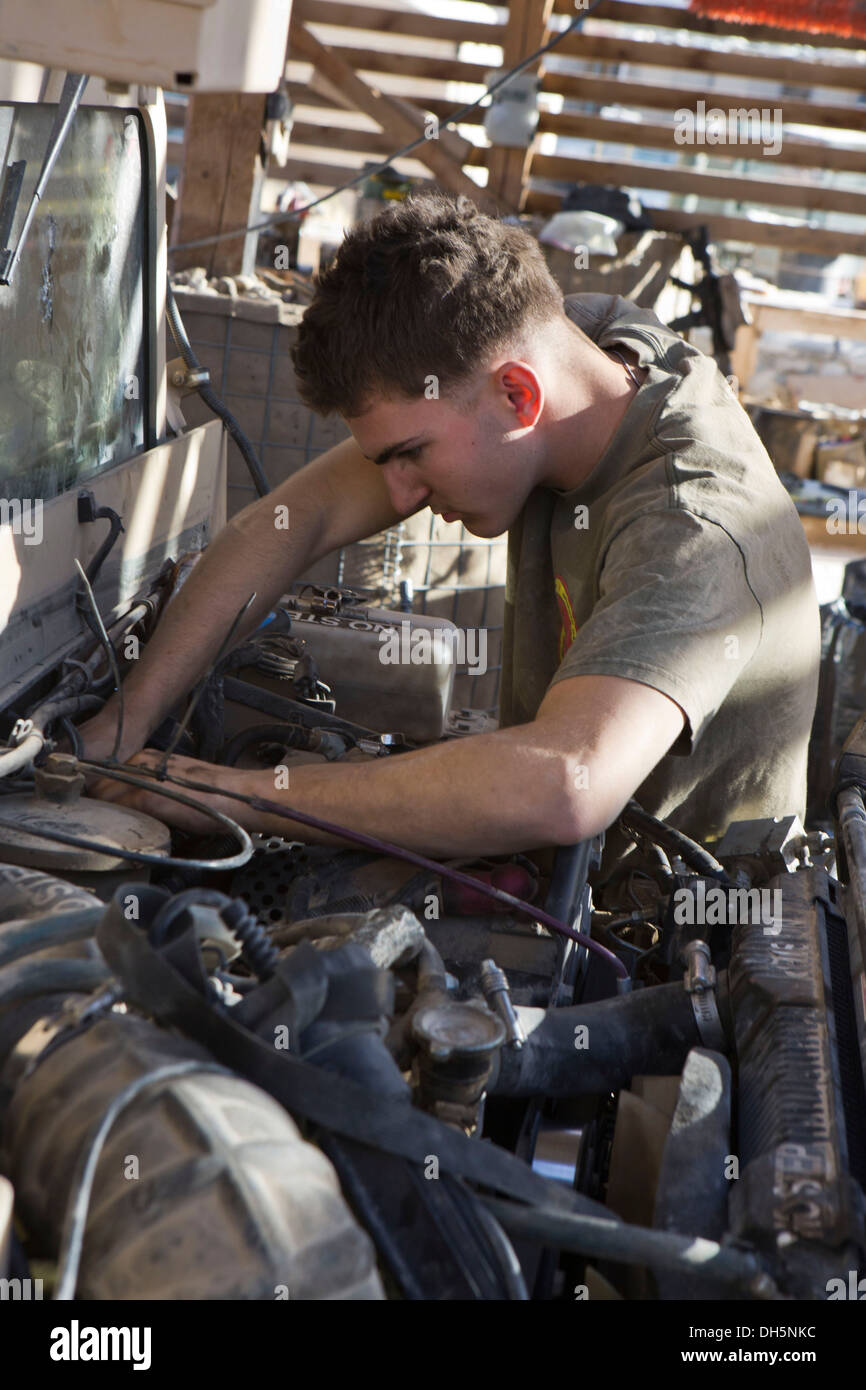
(647, 1033)
(209, 396)
(33, 977)
(634, 817)
(22, 938)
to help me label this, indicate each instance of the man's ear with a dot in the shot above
(524, 392)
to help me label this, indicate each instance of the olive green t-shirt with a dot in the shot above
(679, 562)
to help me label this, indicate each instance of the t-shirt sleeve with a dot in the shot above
(675, 611)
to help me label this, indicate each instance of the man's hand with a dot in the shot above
(560, 779)
(173, 812)
(97, 735)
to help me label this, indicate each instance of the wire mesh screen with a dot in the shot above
(423, 565)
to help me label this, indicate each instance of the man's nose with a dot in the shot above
(406, 490)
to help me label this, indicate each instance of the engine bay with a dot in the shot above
(244, 1066)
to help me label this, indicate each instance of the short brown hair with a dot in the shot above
(429, 287)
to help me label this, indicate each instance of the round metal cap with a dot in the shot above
(86, 817)
(455, 1029)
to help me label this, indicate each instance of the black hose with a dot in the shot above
(289, 735)
(62, 709)
(627, 1244)
(599, 1047)
(209, 396)
(281, 707)
(636, 820)
(503, 1250)
(22, 938)
(73, 735)
(33, 977)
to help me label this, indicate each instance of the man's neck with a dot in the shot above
(592, 393)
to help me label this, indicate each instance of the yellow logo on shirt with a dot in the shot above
(566, 612)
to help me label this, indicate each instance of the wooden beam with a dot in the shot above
(388, 113)
(820, 241)
(302, 95)
(808, 154)
(803, 196)
(384, 21)
(456, 145)
(220, 186)
(611, 91)
(372, 143)
(670, 17)
(641, 135)
(411, 64)
(320, 173)
(606, 90)
(799, 72)
(300, 168)
(828, 323)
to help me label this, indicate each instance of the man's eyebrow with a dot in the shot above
(392, 449)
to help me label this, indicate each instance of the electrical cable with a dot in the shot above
(109, 652)
(210, 397)
(259, 803)
(291, 214)
(31, 745)
(75, 1221)
(182, 726)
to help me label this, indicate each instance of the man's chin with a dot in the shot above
(482, 527)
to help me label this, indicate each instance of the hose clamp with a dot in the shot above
(700, 984)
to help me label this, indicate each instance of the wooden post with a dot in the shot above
(509, 168)
(221, 181)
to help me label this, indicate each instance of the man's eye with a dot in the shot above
(412, 453)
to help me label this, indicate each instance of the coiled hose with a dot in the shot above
(258, 950)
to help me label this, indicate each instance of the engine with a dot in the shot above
(251, 1067)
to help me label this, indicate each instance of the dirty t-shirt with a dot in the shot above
(679, 562)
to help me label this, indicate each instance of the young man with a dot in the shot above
(661, 631)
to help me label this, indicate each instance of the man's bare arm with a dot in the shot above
(335, 500)
(556, 781)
